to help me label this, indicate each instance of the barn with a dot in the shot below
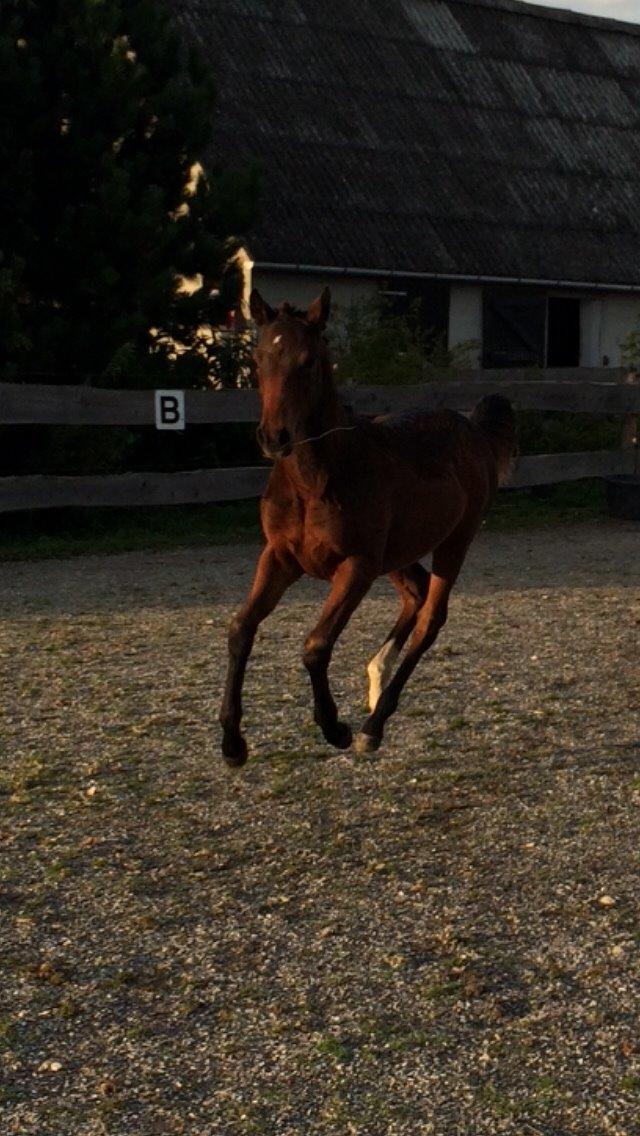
(481, 157)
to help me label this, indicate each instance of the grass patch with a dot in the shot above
(333, 1047)
(567, 503)
(59, 533)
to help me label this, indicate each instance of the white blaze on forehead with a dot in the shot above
(277, 338)
(379, 671)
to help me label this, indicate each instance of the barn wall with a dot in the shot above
(465, 318)
(590, 332)
(605, 323)
(605, 319)
(619, 317)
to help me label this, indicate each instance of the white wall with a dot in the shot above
(605, 322)
(465, 318)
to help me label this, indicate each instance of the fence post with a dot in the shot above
(631, 427)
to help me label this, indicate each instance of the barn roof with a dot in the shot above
(459, 137)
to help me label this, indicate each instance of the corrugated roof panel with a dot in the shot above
(423, 74)
(520, 87)
(436, 23)
(553, 144)
(474, 82)
(586, 98)
(622, 52)
(606, 151)
(507, 35)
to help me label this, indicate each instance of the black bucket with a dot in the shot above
(623, 496)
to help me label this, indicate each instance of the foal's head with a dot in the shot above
(293, 371)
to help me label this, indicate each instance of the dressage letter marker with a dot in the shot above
(169, 410)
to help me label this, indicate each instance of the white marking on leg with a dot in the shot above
(380, 670)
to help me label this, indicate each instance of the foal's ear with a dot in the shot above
(318, 311)
(259, 308)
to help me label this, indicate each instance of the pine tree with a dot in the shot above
(108, 114)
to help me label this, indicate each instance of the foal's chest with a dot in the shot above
(319, 543)
(313, 534)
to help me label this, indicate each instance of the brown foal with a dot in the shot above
(349, 499)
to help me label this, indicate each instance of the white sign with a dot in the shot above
(170, 410)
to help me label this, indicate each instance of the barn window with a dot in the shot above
(563, 332)
(424, 302)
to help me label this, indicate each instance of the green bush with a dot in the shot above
(372, 345)
(543, 432)
(630, 348)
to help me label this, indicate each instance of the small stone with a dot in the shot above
(607, 901)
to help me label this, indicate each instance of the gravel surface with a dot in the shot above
(440, 938)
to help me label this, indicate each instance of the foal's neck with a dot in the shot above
(312, 463)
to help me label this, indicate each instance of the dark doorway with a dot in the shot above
(425, 303)
(563, 332)
(514, 326)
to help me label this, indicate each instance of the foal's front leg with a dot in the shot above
(273, 576)
(350, 584)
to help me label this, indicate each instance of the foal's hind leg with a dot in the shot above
(412, 583)
(273, 577)
(447, 562)
(350, 584)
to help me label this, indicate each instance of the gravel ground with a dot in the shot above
(440, 938)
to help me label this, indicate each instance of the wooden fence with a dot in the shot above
(594, 391)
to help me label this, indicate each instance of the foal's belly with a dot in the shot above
(423, 521)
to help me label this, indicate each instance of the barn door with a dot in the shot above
(514, 327)
(563, 332)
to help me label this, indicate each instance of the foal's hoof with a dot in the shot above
(366, 743)
(234, 750)
(340, 736)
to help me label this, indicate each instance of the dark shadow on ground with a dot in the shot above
(556, 559)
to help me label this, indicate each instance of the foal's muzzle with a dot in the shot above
(274, 446)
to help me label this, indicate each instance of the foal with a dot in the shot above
(350, 499)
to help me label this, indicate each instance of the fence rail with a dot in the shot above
(595, 391)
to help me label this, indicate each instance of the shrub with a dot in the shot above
(372, 345)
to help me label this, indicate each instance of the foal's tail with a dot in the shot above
(494, 417)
